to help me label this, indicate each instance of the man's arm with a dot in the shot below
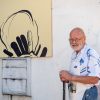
(85, 79)
(65, 75)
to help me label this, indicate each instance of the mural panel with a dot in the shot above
(25, 28)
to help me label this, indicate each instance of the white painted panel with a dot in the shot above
(14, 63)
(16, 73)
(16, 79)
(14, 86)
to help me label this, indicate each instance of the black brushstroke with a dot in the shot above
(20, 44)
(2, 40)
(16, 49)
(38, 36)
(38, 50)
(8, 53)
(25, 44)
(44, 52)
(20, 47)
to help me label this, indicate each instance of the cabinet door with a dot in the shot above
(11, 86)
(15, 73)
(14, 63)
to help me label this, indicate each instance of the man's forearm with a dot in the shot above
(85, 79)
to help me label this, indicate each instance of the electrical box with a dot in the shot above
(16, 74)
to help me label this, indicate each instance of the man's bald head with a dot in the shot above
(77, 39)
(78, 32)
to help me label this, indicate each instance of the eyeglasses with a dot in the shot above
(76, 40)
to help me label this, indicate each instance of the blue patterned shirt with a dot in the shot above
(86, 62)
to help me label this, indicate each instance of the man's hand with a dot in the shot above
(65, 76)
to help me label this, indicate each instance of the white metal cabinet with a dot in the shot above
(16, 76)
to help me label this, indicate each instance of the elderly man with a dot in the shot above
(84, 71)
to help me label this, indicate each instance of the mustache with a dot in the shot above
(74, 44)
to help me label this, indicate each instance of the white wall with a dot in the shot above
(66, 14)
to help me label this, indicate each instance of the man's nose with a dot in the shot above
(74, 41)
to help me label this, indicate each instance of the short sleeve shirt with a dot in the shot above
(86, 62)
